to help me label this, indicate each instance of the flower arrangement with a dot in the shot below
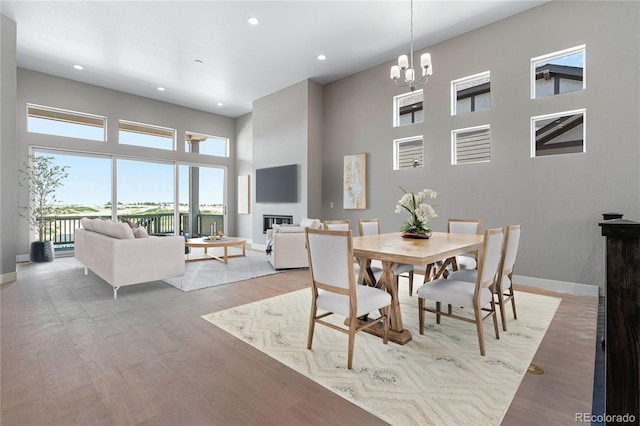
(419, 211)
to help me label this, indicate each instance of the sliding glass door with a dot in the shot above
(142, 191)
(203, 199)
(145, 194)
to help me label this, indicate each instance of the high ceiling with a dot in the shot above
(138, 46)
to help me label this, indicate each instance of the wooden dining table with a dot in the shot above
(392, 249)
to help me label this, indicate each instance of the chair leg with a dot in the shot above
(352, 338)
(500, 302)
(411, 283)
(421, 314)
(438, 315)
(312, 324)
(478, 314)
(513, 302)
(494, 316)
(387, 320)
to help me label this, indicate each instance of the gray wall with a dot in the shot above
(244, 166)
(48, 90)
(558, 200)
(283, 134)
(8, 168)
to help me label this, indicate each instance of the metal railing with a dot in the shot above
(61, 229)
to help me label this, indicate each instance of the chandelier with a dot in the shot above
(404, 74)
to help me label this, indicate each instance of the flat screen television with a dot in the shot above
(277, 184)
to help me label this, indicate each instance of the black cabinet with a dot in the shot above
(622, 334)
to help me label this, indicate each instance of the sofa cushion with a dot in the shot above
(88, 223)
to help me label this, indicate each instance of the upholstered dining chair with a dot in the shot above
(337, 225)
(372, 227)
(504, 283)
(334, 289)
(462, 261)
(345, 225)
(476, 295)
(465, 226)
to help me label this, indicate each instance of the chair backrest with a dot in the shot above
(465, 226)
(368, 226)
(511, 243)
(337, 225)
(331, 260)
(490, 257)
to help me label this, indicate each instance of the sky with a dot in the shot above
(89, 180)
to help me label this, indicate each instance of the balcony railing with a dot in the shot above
(61, 229)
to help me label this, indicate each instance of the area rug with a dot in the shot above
(438, 378)
(210, 273)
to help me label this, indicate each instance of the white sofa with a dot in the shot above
(112, 251)
(286, 245)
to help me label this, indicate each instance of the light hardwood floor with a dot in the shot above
(70, 354)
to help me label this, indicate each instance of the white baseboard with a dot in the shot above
(560, 286)
(6, 278)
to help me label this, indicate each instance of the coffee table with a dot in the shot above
(225, 243)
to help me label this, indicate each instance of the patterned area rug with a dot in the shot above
(438, 378)
(210, 273)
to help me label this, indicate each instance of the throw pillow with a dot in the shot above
(140, 232)
(118, 230)
(131, 224)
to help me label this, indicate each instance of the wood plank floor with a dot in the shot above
(70, 354)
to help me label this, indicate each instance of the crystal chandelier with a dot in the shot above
(403, 74)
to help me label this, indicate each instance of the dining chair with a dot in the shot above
(504, 283)
(466, 294)
(465, 226)
(337, 225)
(461, 261)
(372, 227)
(345, 225)
(334, 289)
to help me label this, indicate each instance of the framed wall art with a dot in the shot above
(355, 181)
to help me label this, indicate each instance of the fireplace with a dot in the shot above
(268, 220)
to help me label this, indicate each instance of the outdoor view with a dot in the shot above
(145, 190)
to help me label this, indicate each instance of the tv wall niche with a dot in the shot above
(277, 184)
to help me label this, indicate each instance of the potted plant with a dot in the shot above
(41, 177)
(417, 225)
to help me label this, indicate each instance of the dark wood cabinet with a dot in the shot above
(622, 334)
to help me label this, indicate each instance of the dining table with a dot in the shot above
(392, 249)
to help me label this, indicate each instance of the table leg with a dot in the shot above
(226, 258)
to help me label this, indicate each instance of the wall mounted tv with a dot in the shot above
(277, 184)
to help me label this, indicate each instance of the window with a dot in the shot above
(407, 108)
(471, 93)
(558, 72)
(146, 135)
(52, 121)
(205, 144)
(561, 133)
(471, 145)
(408, 153)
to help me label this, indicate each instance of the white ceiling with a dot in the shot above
(136, 46)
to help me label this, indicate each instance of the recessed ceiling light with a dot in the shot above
(322, 57)
(78, 67)
(161, 89)
(220, 104)
(253, 20)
